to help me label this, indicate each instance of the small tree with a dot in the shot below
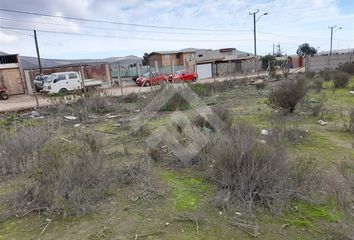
(305, 49)
(145, 59)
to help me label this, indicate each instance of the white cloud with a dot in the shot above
(7, 39)
(289, 23)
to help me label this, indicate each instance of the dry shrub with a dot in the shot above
(21, 148)
(221, 111)
(177, 102)
(316, 84)
(326, 74)
(260, 85)
(342, 184)
(68, 179)
(130, 98)
(202, 89)
(288, 94)
(253, 171)
(347, 67)
(340, 79)
(348, 120)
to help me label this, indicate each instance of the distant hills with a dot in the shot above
(32, 62)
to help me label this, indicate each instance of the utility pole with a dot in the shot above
(39, 63)
(333, 29)
(37, 49)
(255, 33)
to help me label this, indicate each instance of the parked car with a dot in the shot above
(39, 81)
(183, 75)
(64, 82)
(3, 94)
(151, 78)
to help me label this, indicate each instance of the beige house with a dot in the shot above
(183, 57)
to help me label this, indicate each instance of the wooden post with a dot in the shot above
(214, 75)
(120, 79)
(82, 78)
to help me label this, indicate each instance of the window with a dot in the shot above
(72, 75)
(200, 55)
(61, 77)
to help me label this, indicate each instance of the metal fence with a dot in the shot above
(134, 71)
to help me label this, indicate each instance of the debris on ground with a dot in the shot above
(35, 114)
(351, 92)
(322, 123)
(109, 116)
(265, 132)
(77, 125)
(70, 117)
(136, 110)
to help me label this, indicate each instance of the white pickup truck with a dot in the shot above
(64, 82)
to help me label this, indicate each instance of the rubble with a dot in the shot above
(322, 123)
(70, 117)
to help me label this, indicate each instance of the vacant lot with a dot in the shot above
(134, 191)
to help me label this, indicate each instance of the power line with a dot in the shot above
(92, 27)
(133, 38)
(164, 32)
(120, 23)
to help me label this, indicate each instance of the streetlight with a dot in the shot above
(335, 28)
(254, 28)
(254, 34)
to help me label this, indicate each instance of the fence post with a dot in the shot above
(120, 79)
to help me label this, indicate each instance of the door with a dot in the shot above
(59, 82)
(204, 70)
(74, 81)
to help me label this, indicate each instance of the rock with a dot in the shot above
(117, 125)
(351, 92)
(34, 114)
(207, 130)
(77, 125)
(70, 117)
(136, 110)
(265, 132)
(322, 123)
(238, 213)
(166, 224)
(109, 116)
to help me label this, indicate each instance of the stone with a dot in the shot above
(70, 117)
(322, 123)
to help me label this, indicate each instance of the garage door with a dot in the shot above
(204, 71)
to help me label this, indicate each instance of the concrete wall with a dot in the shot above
(319, 63)
(245, 66)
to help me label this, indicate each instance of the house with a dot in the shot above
(167, 59)
(11, 76)
(225, 61)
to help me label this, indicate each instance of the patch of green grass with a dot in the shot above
(187, 192)
(307, 215)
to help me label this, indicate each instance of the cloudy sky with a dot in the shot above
(178, 24)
